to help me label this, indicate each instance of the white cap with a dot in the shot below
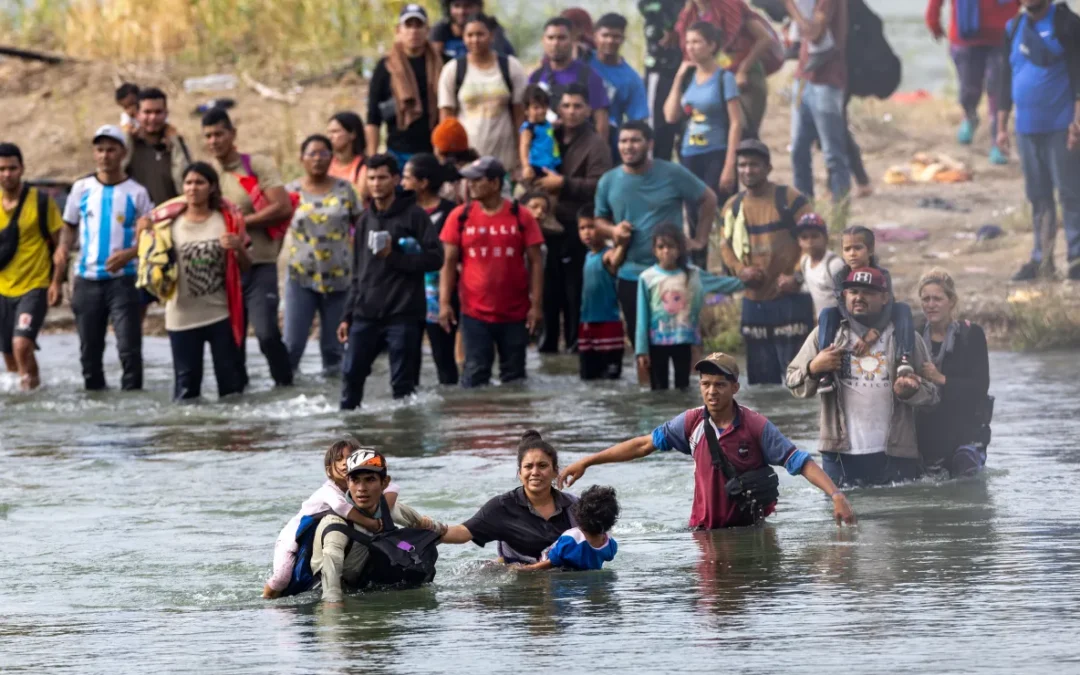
(111, 131)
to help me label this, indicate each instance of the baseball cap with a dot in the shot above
(111, 131)
(812, 221)
(485, 167)
(718, 363)
(866, 277)
(412, 11)
(365, 460)
(753, 146)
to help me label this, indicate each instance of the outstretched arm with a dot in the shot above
(841, 508)
(635, 448)
(456, 534)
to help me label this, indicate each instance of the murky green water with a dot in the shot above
(135, 535)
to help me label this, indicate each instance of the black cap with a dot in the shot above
(753, 146)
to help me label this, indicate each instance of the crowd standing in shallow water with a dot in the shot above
(606, 242)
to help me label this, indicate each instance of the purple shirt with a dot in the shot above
(559, 80)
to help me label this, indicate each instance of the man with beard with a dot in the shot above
(868, 421)
(632, 199)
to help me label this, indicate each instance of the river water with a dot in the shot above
(135, 535)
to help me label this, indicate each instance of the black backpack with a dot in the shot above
(873, 67)
(399, 556)
(504, 68)
(9, 236)
(515, 210)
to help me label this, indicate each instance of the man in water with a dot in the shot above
(747, 440)
(868, 422)
(760, 247)
(332, 557)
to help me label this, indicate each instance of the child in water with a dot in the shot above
(330, 497)
(857, 246)
(587, 546)
(671, 294)
(600, 332)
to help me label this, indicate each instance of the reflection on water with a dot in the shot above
(135, 535)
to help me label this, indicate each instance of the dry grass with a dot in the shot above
(1044, 319)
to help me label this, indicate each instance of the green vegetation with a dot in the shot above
(1044, 320)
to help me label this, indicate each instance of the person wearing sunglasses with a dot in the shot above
(319, 255)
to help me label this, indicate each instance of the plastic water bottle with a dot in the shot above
(219, 82)
(409, 245)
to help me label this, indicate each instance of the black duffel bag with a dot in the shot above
(9, 236)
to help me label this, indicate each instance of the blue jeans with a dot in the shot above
(481, 340)
(366, 340)
(301, 304)
(819, 114)
(187, 353)
(873, 469)
(902, 320)
(1048, 164)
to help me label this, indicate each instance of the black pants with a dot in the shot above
(261, 300)
(442, 352)
(627, 291)
(187, 353)
(562, 290)
(601, 365)
(95, 304)
(679, 355)
(482, 339)
(707, 167)
(366, 340)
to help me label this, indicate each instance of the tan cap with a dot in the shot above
(718, 363)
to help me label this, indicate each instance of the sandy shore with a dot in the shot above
(52, 111)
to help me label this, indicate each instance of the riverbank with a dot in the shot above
(53, 110)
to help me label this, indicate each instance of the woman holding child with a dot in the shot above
(529, 520)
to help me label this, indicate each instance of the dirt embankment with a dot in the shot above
(51, 111)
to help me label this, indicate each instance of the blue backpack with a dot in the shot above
(303, 579)
(968, 20)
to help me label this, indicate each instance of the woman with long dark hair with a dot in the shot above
(346, 133)
(319, 255)
(206, 305)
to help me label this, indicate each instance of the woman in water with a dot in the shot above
(953, 434)
(528, 519)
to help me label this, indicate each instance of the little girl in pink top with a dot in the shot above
(330, 497)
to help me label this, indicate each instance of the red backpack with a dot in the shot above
(250, 183)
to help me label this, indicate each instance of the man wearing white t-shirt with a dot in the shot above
(868, 422)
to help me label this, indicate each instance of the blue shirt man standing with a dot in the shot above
(625, 88)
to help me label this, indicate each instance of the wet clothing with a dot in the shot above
(522, 534)
(482, 339)
(188, 347)
(22, 316)
(900, 440)
(573, 551)
(751, 441)
(955, 421)
(95, 304)
(340, 566)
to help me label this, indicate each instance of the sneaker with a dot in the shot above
(1029, 272)
(966, 134)
(904, 369)
(826, 384)
(997, 156)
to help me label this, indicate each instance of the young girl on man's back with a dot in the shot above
(857, 243)
(330, 497)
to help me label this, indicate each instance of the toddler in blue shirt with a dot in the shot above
(538, 149)
(587, 546)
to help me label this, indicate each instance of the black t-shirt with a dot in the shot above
(508, 518)
(417, 137)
